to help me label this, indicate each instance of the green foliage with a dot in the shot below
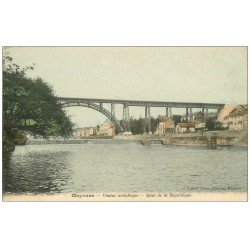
(137, 126)
(176, 119)
(218, 125)
(154, 122)
(212, 124)
(117, 130)
(30, 105)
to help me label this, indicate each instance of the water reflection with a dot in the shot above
(36, 172)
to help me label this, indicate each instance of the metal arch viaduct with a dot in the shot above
(97, 104)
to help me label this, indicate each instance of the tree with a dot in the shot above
(136, 126)
(176, 119)
(29, 105)
(212, 124)
(154, 122)
(218, 125)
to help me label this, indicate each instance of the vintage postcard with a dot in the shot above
(125, 124)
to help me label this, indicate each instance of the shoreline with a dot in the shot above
(222, 139)
(123, 141)
(167, 196)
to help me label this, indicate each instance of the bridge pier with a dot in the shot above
(113, 109)
(186, 114)
(205, 112)
(168, 112)
(125, 118)
(147, 119)
(191, 114)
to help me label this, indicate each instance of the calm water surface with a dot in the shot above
(79, 168)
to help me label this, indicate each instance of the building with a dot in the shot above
(185, 127)
(237, 119)
(164, 126)
(85, 132)
(225, 111)
(198, 117)
(79, 132)
(106, 129)
(200, 126)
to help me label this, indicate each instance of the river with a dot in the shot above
(97, 167)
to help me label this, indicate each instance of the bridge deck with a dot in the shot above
(144, 103)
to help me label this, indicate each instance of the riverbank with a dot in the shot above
(210, 138)
(81, 141)
(167, 196)
(10, 141)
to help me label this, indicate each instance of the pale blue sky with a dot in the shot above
(185, 74)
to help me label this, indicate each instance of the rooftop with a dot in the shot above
(239, 110)
(186, 125)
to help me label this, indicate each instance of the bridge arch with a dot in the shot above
(98, 108)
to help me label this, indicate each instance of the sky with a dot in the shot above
(182, 74)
